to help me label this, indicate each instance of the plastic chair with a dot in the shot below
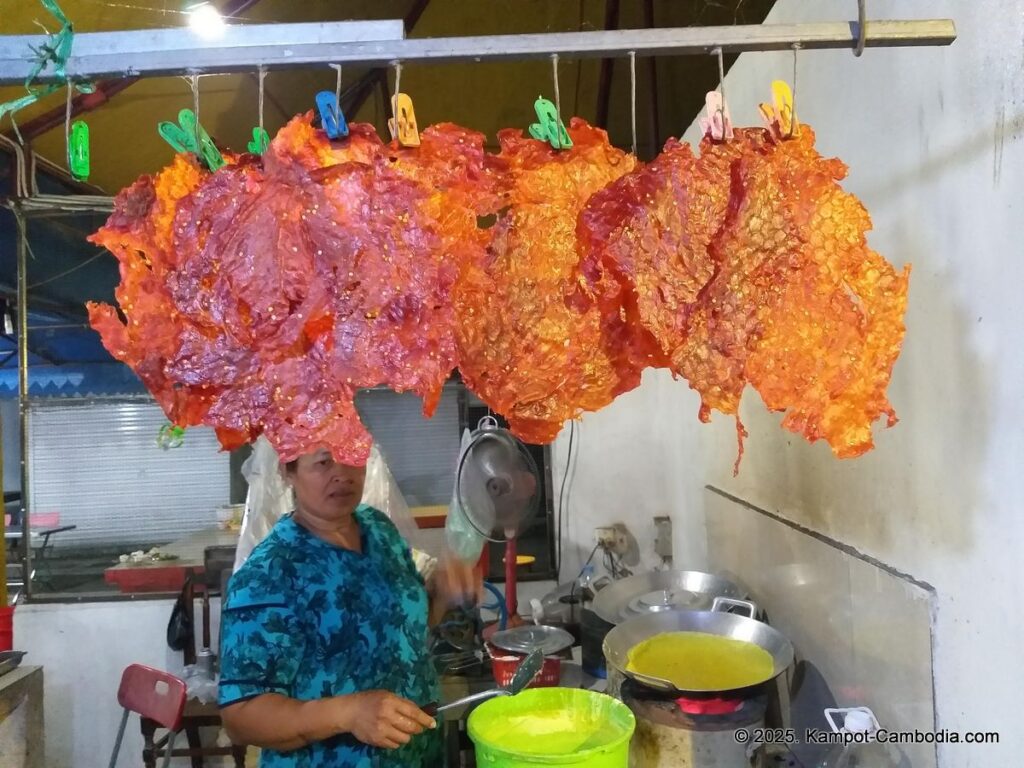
(151, 694)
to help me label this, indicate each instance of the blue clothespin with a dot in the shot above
(331, 118)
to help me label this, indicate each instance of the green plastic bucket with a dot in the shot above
(552, 726)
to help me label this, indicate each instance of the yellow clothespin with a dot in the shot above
(405, 131)
(780, 116)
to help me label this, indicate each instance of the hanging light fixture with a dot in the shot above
(204, 19)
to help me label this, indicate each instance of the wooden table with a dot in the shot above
(169, 575)
(21, 718)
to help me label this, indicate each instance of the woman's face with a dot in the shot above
(325, 489)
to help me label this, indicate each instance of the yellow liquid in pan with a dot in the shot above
(697, 661)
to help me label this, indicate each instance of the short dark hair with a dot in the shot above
(291, 466)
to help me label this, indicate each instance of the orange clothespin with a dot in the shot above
(780, 116)
(718, 123)
(403, 124)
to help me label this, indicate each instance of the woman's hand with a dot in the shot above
(456, 583)
(382, 719)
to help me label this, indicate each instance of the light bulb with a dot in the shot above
(205, 20)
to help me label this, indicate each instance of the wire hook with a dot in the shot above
(632, 97)
(337, 85)
(261, 73)
(193, 82)
(792, 120)
(394, 102)
(862, 17)
(558, 98)
(67, 125)
(723, 116)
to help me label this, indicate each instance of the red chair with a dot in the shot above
(153, 695)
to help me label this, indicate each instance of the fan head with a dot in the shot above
(497, 483)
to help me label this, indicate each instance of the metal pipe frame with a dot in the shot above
(26, 531)
(105, 89)
(275, 46)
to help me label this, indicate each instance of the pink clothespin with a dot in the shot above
(718, 123)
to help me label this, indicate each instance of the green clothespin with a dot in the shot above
(50, 58)
(182, 138)
(550, 128)
(260, 141)
(78, 150)
(170, 436)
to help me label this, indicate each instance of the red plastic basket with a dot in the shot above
(504, 664)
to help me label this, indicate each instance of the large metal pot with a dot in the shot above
(659, 591)
(623, 638)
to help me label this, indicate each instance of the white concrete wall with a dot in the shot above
(933, 140)
(84, 648)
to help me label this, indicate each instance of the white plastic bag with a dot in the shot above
(461, 538)
(269, 499)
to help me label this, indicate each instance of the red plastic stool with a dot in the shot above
(151, 694)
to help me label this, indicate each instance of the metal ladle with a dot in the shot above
(527, 670)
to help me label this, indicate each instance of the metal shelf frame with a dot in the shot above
(146, 53)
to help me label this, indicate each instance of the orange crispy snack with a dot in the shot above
(827, 349)
(140, 234)
(525, 348)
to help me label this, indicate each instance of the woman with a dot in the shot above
(324, 660)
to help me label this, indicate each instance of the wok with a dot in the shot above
(623, 638)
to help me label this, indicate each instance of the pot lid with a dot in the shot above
(659, 591)
(524, 639)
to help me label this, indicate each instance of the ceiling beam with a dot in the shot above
(104, 91)
(136, 52)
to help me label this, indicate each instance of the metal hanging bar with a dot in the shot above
(275, 46)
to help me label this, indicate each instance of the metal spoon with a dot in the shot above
(527, 670)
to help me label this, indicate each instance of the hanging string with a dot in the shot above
(67, 126)
(792, 117)
(632, 97)
(558, 98)
(721, 87)
(337, 85)
(394, 101)
(262, 73)
(194, 84)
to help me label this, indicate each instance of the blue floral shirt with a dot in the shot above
(309, 620)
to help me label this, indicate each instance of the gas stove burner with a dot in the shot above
(690, 710)
(714, 706)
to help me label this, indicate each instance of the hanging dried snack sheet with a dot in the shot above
(525, 348)
(750, 264)
(318, 273)
(259, 299)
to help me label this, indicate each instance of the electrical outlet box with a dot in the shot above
(663, 537)
(621, 544)
(605, 537)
